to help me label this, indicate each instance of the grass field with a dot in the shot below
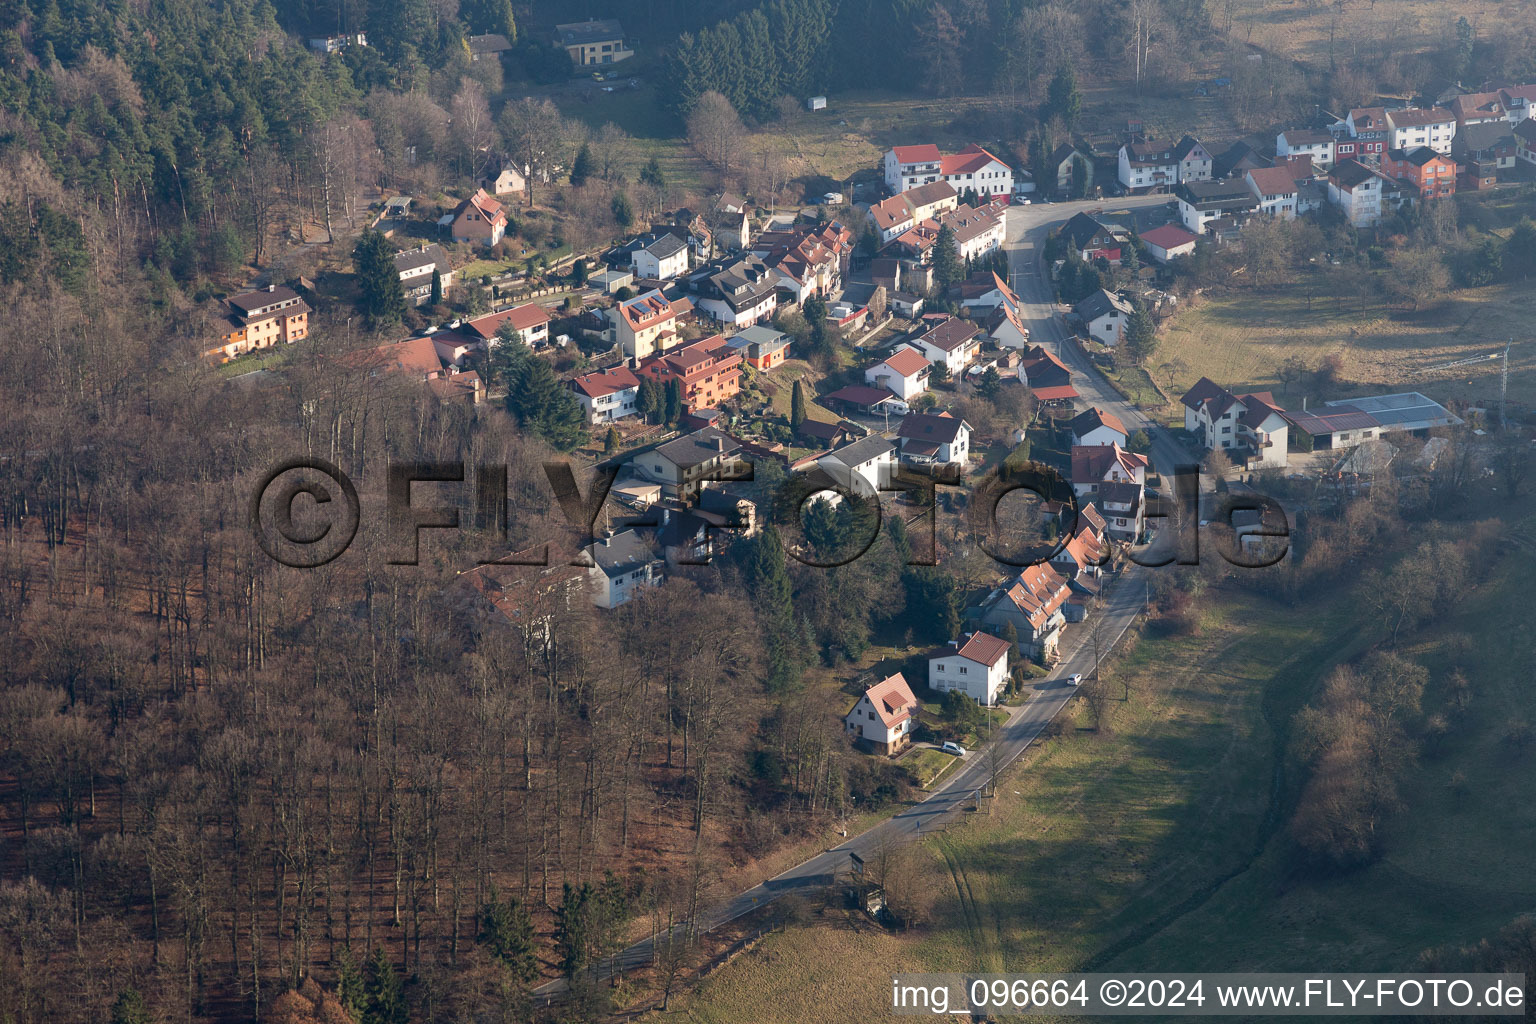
(1157, 846)
(1240, 341)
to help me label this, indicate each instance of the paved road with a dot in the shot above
(1026, 230)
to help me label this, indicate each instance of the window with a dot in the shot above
(962, 670)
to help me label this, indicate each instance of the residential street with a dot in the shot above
(1027, 226)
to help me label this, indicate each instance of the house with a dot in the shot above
(984, 291)
(1096, 465)
(884, 717)
(647, 323)
(1525, 140)
(1300, 168)
(810, 261)
(1070, 166)
(950, 341)
(1194, 160)
(1006, 328)
(260, 319)
(1104, 314)
(662, 258)
(610, 281)
(1201, 202)
(904, 373)
(594, 41)
(732, 221)
(738, 293)
(1519, 102)
(1094, 426)
(416, 268)
(607, 395)
(503, 178)
(1081, 555)
(1275, 190)
(478, 220)
(415, 358)
(976, 233)
(1367, 134)
(863, 398)
(1434, 127)
(1032, 604)
(1345, 423)
(824, 435)
(934, 440)
(763, 347)
(456, 346)
(1356, 189)
(1478, 108)
(897, 215)
(864, 467)
(1483, 152)
(1091, 238)
(1238, 158)
(1237, 422)
(1148, 165)
(530, 321)
(973, 168)
(1317, 146)
(977, 667)
(683, 465)
(907, 304)
(1047, 377)
(335, 44)
(1431, 175)
(707, 372)
(1167, 242)
(1123, 506)
(624, 563)
(520, 592)
(492, 46)
(885, 272)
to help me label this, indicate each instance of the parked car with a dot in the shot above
(951, 747)
(1074, 679)
(832, 198)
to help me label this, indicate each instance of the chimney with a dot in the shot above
(1303, 403)
(720, 444)
(271, 287)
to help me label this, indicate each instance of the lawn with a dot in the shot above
(1157, 846)
(1241, 340)
(928, 765)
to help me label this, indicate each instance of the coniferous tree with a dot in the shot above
(542, 405)
(436, 298)
(351, 991)
(623, 210)
(1140, 336)
(611, 441)
(383, 300)
(1062, 98)
(651, 174)
(581, 169)
(672, 409)
(947, 268)
(649, 402)
(130, 1008)
(506, 931)
(797, 406)
(573, 928)
(385, 992)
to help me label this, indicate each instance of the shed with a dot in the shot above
(816, 103)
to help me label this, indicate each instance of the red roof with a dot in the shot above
(1094, 418)
(1168, 236)
(969, 160)
(522, 318)
(417, 356)
(892, 700)
(982, 648)
(908, 362)
(1272, 181)
(917, 154)
(1093, 462)
(606, 382)
(1049, 394)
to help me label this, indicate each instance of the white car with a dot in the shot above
(1074, 679)
(832, 198)
(951, 747)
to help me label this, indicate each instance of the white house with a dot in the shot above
(1105, 315)
(1317, 145)
(740, 294)
(1194, 160)
(1275, 190)
(623, 564)
(607, 395)
(864, 466)
(1237, 422)
(1095, 465)
(1148, 165)
(1096, 427)
(977, 668)
(684, 464)
(1008, 330)
(977, 232)
(1123, 506)
(883, 718)
(1434, 127)
(897, 215)
(416, 266)
(1356, 189)
(1168, 242)
(984, 291)
(1525, 140)
(934, 440)
(1201, 202)
(904, 373)
(908, 167)
(953, 342)
(661, 259)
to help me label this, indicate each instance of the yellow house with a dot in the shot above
(593, 41)
(261, 319)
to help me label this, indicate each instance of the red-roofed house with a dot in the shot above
(907, 167)
(416, 358)
(1093, 465)
(647, 323)
(904, 373)
(1169, 241)
(1048, 378)
(1097, 427)
(529, 320)
(607, 395)
(479, 219)
(1030, 603)
(884, 717)
(977, 667)
(1275, 190)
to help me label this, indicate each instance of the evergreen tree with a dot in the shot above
(383, 300)
(582, 168)
(991, 384)
(649, 402)
(506, 931)
(939, 374)
(1130, 255)
(797, 406)
(947, 268)
(573, 928)
(350, 990)
(623, 210)
(385, 992)
(130, 1008)
(933, 604)
(672, 407)
(542, 405)
(611, 441)
(1062, 98)
(487, 17)
(651, 174)
(1140, 336)
(436, 298)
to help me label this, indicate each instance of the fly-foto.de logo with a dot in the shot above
(305, 512)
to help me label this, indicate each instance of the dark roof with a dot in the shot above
(859, 394)
(624, 552)
(1238, 157)
(697, 448)
(827, 432)
(1475, 138)
(664, 245)
(1331, 418)
(1101, 302)
(1418, 155)
(1218, 195)
(863, 450)
(592, 31)
(492, 43)
(1081, 229)
(1187, 145)
(247, 301)
(426, 256)
(942, 428)
(1349, 173)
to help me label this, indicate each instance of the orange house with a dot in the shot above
(763, 346)
(1432, 174)
(709, 371)
(261, 319)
